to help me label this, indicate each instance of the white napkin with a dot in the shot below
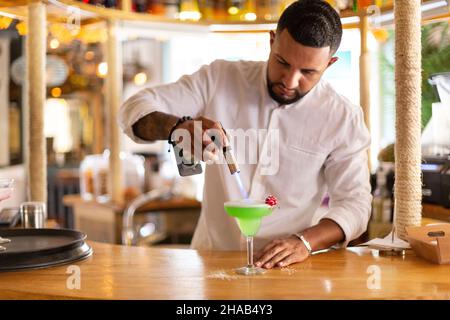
(387, 242)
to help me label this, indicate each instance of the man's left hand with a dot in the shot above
(281, 253)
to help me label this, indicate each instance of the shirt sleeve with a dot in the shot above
(188, 96)
(348, 179)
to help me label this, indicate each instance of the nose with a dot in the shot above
(291, 79)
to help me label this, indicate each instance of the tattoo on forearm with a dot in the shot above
(154, 126)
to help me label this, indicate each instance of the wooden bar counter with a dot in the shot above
(119, 272)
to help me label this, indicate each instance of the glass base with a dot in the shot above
(250, 271)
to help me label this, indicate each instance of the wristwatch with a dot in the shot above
(305, 242)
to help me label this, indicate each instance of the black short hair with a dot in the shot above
(312, 23)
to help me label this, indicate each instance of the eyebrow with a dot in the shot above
(302, 69)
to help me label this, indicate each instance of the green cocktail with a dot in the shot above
(248, 214)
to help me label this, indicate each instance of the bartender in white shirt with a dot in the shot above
(322, 140)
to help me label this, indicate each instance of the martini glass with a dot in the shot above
(248, 214)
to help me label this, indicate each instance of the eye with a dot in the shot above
(284, 63)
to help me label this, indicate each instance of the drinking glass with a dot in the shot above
(33, 214)
(248, 214)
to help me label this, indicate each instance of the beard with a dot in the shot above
(281, 99)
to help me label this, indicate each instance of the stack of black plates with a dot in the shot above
(41, 248)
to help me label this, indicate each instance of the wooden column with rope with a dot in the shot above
(114, 99)
(408, 183)
(36, 51)
(125, 5)
(364, 74)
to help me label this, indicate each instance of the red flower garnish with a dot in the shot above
(271, 200)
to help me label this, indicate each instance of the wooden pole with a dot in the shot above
(364, 75)
(125, 5)
(114, 99)
(408, 183)
(36, 51)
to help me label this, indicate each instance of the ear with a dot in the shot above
(272, 37)
(332, 60)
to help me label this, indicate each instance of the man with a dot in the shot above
(323, 139)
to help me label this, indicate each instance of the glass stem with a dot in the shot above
(250, 252)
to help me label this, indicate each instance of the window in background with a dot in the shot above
(200, 49)
(68, 129)
(344, 77)
(387, 110)
(435, 59)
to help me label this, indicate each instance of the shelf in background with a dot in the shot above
(14, 3)
(59, 10)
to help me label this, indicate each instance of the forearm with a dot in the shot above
(154, 126)
(324, 235)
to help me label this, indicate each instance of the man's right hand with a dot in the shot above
(157, 126)
(204, 137)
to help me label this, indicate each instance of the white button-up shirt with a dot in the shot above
(322, 148)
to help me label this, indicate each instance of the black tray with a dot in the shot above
(41, 248)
